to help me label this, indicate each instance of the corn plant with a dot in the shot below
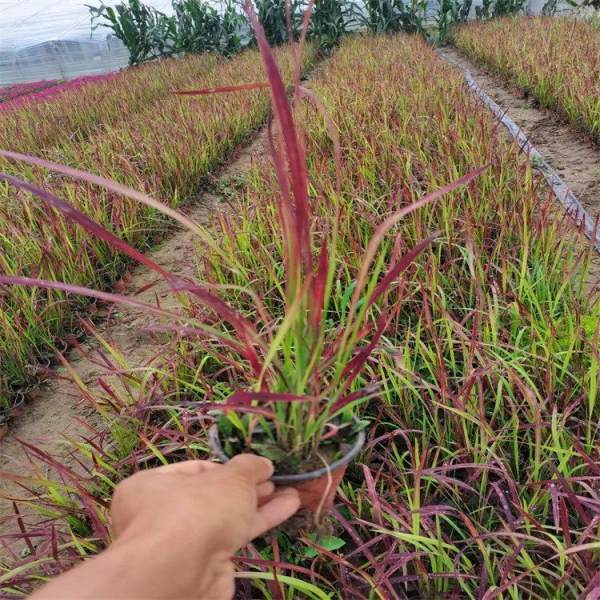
(330, 20)
(280, 20)
(145, 31)
(202, 28)
(393, 16)
(490, 9)
(451, 12)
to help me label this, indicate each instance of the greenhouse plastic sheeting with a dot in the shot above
(52, 39)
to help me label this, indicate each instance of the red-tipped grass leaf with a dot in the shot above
(294, 151)
(284, 206)
(84, 221)
(401, 265)
(116, 299)
(241, 324)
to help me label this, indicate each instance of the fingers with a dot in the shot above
(274, 512)
(265, 489)
(254, 469)
(187, 467)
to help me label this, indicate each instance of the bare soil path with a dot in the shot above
(59, 410)
(569, 152)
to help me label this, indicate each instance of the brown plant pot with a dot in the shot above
(316, 488)
(9, 413)
(16, 410)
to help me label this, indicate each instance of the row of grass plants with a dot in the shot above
(554, 59)
(478, 355)
(81, 111)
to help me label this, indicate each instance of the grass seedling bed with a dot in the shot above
(18, 90)
(80, 111)
(479, 475)
(167, 149)
(553, 59)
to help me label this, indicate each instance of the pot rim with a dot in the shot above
(215, 445)
(6, 413)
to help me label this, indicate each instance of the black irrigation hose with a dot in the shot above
(560, 189)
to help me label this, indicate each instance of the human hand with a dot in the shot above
(202, 513)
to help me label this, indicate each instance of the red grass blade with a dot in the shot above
(115, 299)
(117, 188)
(354, 366)
(319, 285)
(84, 291)
(293, 149)
(400, 267)
(244, 328)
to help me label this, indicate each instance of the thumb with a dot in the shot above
(254, 469)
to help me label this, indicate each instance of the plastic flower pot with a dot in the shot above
(317, 487)
(17, 409)
(8, 413)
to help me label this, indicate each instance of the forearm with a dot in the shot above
(146, 567)
(176, 528)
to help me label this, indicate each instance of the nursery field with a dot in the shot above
(415, 265)
(556, 60)
(133, 130)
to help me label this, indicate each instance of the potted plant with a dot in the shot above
(302, 409)
(300, 405)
